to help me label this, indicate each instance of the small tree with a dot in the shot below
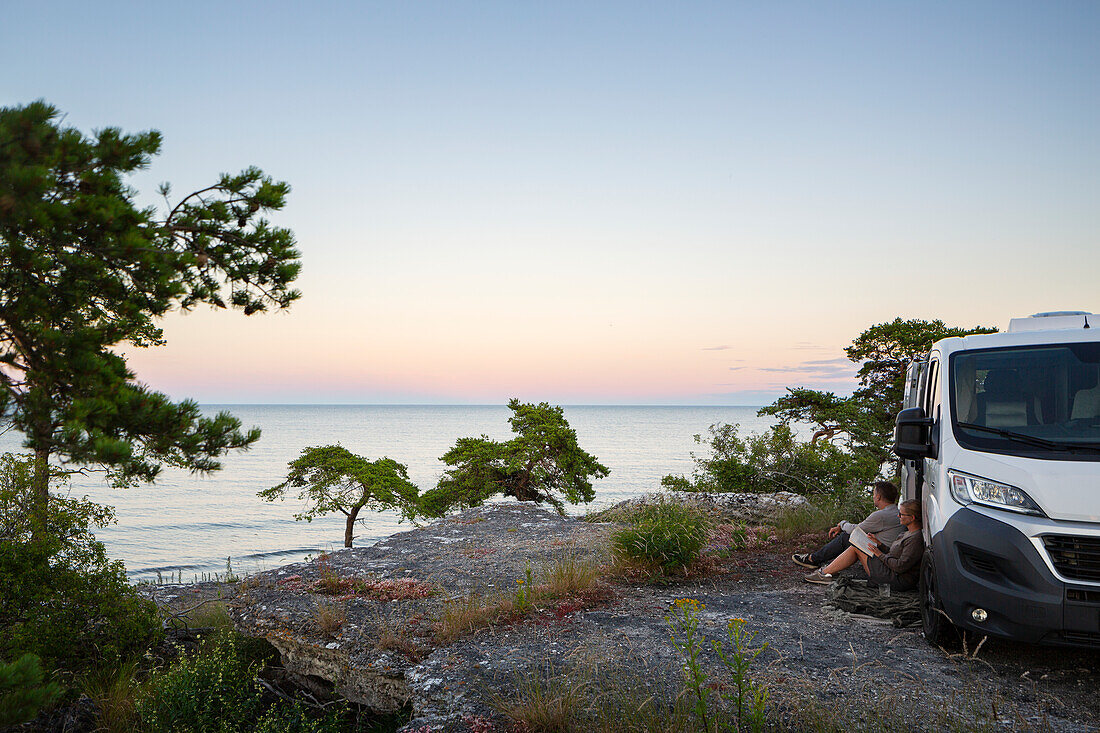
(541, 463)
(333, 479)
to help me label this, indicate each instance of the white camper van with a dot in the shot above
(1000, 441)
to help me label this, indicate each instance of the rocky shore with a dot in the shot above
(372, 625)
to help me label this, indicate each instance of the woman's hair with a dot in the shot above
(912, 506)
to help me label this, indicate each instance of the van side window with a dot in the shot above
(932, 394)
(935, 392)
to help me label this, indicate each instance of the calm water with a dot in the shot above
(192, 524)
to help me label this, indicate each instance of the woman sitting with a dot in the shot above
(898, 567)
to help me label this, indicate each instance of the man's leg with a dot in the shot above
(831, 550)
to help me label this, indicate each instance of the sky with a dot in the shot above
(599, 203)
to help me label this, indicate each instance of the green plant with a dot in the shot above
(461, 615)
(23, 691)
(329, 581)
(521, 602)
(772, 461)
(61, 598)
(684, 626)
(216, 690)
(666, 534)
(589, 700)
(749, 700)
(230, 576)
(823, 512)
(210, 614)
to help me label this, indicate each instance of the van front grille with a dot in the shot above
(1074, 557)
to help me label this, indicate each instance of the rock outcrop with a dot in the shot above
(368, 620)
(376, 623)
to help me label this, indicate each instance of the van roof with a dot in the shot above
(1042, 328)
(1054, 320)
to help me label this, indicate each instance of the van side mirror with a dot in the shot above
(913, 435)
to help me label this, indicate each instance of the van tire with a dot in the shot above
(938, 629)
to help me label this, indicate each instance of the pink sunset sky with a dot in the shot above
(600, 203)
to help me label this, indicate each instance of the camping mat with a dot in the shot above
(856, 596)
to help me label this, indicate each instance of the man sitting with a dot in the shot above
(883, 522)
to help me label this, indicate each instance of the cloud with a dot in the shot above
(733, 369)
(717, 348)
(819, 368)
(807, 345)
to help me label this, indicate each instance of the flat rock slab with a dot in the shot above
(390, 594)
(813, 654)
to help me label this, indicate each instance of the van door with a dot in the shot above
(910, 471)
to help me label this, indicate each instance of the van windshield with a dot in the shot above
(1041, 401)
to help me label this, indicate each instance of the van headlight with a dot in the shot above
(969, 489)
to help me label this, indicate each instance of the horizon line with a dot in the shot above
(442, 404)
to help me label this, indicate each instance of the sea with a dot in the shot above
(190, 527)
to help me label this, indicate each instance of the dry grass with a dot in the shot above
(461, 616)
(568, 584)
(329, 616)
(544, 704)
(211, 615)
(395, 641)
(329, 582)
(569, 575)
(587, 703)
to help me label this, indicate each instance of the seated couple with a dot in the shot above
(894, 550)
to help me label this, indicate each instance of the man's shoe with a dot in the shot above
(819, 577)
(803, 559)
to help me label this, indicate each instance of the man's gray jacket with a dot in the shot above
(883, 524)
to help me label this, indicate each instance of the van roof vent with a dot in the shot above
(1055, 314)
(1054, 320)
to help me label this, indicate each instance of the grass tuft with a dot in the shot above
(329, 616)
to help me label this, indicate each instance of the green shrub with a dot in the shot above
(22, 692)
(665, 534)
(772, 461)
(216, 690)
(62, 599)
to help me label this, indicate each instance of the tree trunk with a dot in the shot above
(352, 514)
(40, 496)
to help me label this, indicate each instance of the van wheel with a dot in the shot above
(937, 627)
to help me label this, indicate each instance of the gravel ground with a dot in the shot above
(824, 669)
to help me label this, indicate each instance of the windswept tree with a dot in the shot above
(85, 271)
(864, 422)
(542, 463)
(333, 479)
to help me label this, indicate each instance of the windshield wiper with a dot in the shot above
(1030, 439)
